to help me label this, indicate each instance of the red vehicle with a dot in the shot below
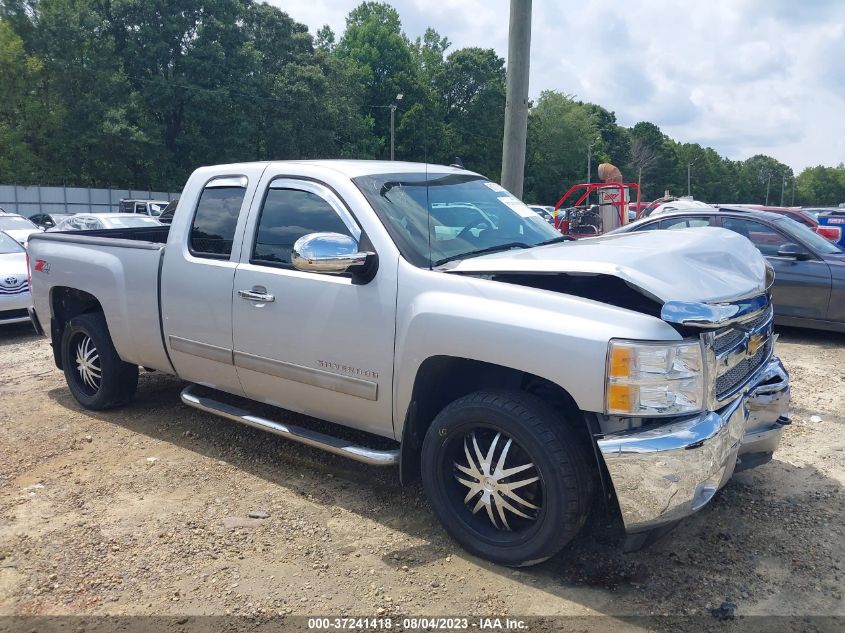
(582, 220)
(808, 217)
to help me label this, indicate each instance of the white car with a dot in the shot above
(100, 221)
(17, 227)
(544, 211)
(681, 204)
(15, 298)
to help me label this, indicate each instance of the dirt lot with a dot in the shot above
(145, 510)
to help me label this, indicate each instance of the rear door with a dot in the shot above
(199, 271)
(802, 288)
(322, 344)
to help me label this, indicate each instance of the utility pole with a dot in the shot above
(392, 129)
(689, 182)
(768, 182)
(516, 104)
(393, 107)
(793, 192)
(782, 187)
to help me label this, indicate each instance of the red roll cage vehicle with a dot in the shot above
(585, 220)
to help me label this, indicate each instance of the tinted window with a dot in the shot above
(287, 215)
(766, 239)
(651, 226)
(808, 237)
(684, 223)
(213, 230)
(799, 218)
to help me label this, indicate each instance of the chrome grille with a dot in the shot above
(734, 365)
(737, 374)
(16, 289)
(730, 336)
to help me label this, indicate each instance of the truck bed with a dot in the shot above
(152, 235)
(121, 269)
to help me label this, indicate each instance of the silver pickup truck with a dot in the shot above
(525, 377)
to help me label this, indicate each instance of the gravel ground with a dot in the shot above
(146, 510)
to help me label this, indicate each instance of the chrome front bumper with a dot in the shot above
(666, 473)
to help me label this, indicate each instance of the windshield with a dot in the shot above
(157, 207)
(809, 237)
(128, 223)
(9, 245)
(12, 222)
(468, 214)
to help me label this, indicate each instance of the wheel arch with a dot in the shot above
(443, 379)
(65, 304)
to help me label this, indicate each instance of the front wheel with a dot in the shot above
(506, 477)
(95, 374)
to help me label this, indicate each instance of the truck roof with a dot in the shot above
(352, 168)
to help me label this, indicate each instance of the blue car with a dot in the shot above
(835, 219)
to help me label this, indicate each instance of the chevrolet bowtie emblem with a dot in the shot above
(755, 342)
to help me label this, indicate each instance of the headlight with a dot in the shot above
(654, 379)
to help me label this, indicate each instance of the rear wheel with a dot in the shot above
(95, 374)
(506, 478)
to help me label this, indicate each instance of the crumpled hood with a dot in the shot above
(705, 264)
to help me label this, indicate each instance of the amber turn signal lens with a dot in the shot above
(620, 397)
(621, 360)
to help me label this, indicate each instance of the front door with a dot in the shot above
(314, 343)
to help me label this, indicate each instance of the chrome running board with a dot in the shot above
(316, 439)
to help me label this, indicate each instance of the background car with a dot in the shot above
(806, 216)
(48, 220)
(100, 221)
(546, 212)
(15, 298)
(809, 288)
(832, 221)
(17, 227)
(677, 205)
(152, 208)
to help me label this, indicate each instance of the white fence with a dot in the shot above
(36, 199)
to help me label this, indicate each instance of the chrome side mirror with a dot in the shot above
(330, 253)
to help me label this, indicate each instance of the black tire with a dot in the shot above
(101, 380)
(560, 496)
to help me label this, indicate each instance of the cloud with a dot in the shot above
(744, 76)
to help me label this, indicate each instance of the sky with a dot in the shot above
(742, 76)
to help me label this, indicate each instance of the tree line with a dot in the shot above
(138, 93)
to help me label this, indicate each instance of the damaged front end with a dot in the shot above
(680, 416)
(663, 470)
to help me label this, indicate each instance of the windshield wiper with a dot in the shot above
(482, 251)
(557, 240)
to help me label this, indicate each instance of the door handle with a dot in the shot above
(256, 294)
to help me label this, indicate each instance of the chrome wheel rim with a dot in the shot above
(499, 481)
(88, 364)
